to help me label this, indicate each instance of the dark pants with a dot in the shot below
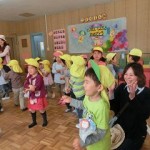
(130, 144)
(5, 90)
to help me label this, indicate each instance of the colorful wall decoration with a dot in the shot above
(111, 35)
(59, 39)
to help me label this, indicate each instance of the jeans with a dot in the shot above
(5, 90)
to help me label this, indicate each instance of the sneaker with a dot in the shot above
(2, 109)
(68, 110)
(53, 95)
(5, 98)
(24, 109)
(78, 125)
(74, 111)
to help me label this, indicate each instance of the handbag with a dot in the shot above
(117, 133)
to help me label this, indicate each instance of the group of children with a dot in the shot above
(89, 87)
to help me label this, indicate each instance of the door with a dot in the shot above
(24, 43)
(37, 41)
(14, 53)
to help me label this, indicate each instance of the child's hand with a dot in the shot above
(25, 90)
(76, 144)
(66, 99)
(58, 71)
(31, 88)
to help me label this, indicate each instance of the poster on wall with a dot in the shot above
(111, 35)
(59, 39)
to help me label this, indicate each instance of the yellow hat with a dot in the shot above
(136, 52)
(110, 56)
(37, 58)
(32, 62)
(78, 67)
(1, 65)
(45, 62)
(15, 66)
(98, 49)
(67, 59)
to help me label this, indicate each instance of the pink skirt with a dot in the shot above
(41, 104)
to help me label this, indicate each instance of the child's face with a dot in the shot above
(32, 70)
(41, 66)
(97, 55)
(114, 60)
(58, 59)
(91, 89)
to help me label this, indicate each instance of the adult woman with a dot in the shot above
(133, 118)
(4, 50)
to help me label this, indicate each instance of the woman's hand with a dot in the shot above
(132, 88)
(76, 144)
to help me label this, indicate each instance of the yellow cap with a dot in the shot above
(98, 49)
(1, 65)
(46, 65)
(78, 67)
(15, 66)
(37, 58)
(136, 52)
(32, 62)
(45, 62)
(110, 56)
(67, 59)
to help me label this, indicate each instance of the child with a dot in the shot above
(66, 61)
(58, 71)
(3, 86)
(135, 56)
(34, 86)
(112, 64)
(77, 72)
(17, 84)
(47, 76)
(97, 56)
(94, 127)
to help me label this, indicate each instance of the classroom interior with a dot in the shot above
(20, 34)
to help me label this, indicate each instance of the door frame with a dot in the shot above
(32, 42)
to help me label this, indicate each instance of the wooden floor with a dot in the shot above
(58, 135)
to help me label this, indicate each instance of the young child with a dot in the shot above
(17, 83)
(34, 86)
(3, 86)
(77, 72)
(66, 61)
(58, 71)
(112, 64)
(135, 56)
(97, 56)
(47, 76)
(94, 133)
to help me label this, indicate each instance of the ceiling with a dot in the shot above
(10, 10)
